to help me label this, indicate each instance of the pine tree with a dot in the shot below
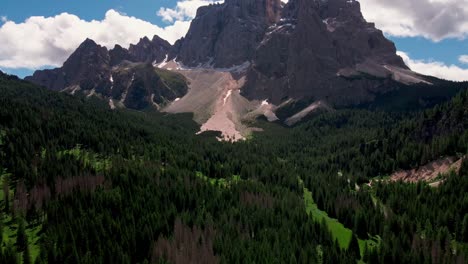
(1, 230)
(366, 256)
(21, 237)
(26, 256)
(6, 194)
(353, 248)
(464, 229)
(10, 255)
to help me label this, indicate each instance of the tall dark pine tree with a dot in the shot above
(6, 193)
(353, 248)
(9, 255)
(21, 237)
(27, 256)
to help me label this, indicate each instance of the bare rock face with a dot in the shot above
(227, 34)
(119, 54)
(301, 56)
(146, 50)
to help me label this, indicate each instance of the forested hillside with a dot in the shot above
(84, 184)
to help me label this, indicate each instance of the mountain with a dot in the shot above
(305, 49)
(126, 78)
(248, 58)
(87, 67)
(324, 50)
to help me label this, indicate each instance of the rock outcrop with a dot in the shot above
(155, 50)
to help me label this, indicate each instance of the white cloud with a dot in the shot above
(463, 59)
(432, 19)
(435, 68)
(3, 19)
(184, 10)
(48, 41)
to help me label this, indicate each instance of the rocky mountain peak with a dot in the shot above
(340, 9)
(119, 54)
(88, 55)
(147, 50)
(89, 42)
(86, 67)
(226, 34)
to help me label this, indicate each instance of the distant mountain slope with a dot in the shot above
(123, 78)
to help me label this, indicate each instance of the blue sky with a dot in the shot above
(19, 10)
(427, 50)
(447, 50)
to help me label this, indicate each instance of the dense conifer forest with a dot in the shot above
(84, 184)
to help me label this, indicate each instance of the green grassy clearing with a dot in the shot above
(223, 182)
(339, 232)
(89, 159)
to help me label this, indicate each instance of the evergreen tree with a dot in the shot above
(1, 229)
(367, 253)
(6, 194)
(27, 256)
(21, 237)
(10, 255)
(464, 229)
(353, 248)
